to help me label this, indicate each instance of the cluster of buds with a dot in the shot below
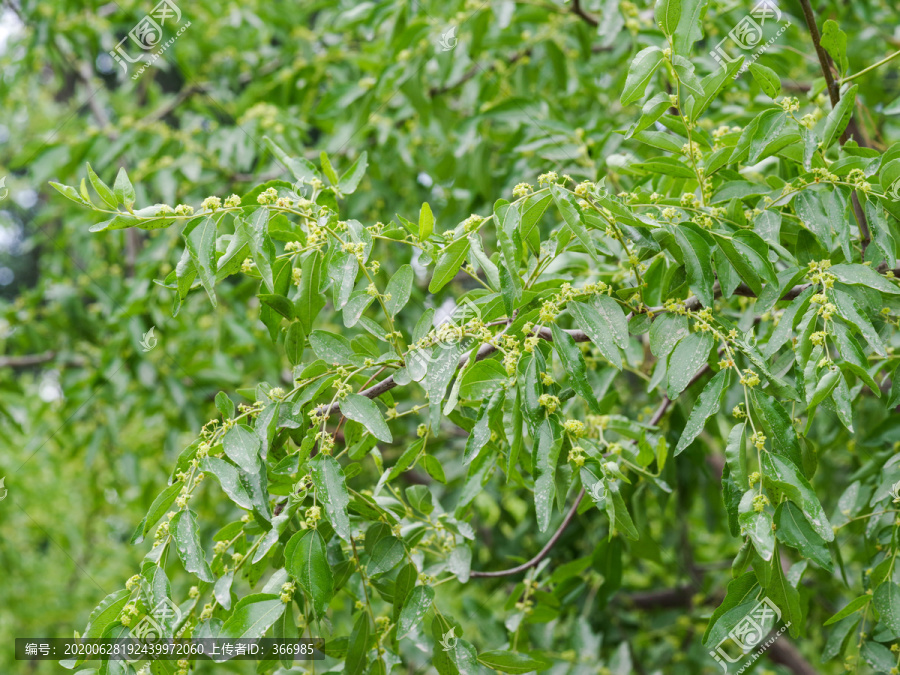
(576, 455)
(551, 403)
(421, 430)
(326, 442)
(789, 104)
(749, 378)
(821, 174)
(739, 412)
(858, 178)
(551, 177)
(758, 439)
(267, 196)
(760, 502)
(574, 427)
(692, 151)
(184, 210)
(818, 338)
(128, 613)
(670, 213)
(471, 223)
(287, 592)
(313, 515)
(522, 190)
(354, 248)
(753, 478)
(211, 204)
(818, 273)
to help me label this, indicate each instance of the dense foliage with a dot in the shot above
(646, 385)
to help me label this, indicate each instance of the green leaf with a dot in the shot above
(862, 275)
(309, 300)
(448, 264)
(366, 412)
(252, 617)
(123, 189)
(158, 508)
(507, 219)
(200, 239)
(706, 406)
(573, 363)
(698, 263)
(106, 613)
(839, 117)
(740, 596)
(785, 596)
(426, 222)
(757, 525)
(307, 562)
(294, 343)
(242, 447)
(331, 489)
(793, 530)
(767, 79)
(414, 609)
(229, 478)
(887, 602)
(668, 14)
(106, 195)
(481, 432)
(548, 443)
(302, 169)
(834, 41)
(573, 218)
(685, 360)
(852, 607)
(350, 180)
(327, 168)
(690, 25)
(785, 476)
(641, 70)
(603, 320)
(778, 426)
(399, 289)
(512, 662)
(187, 543)
(358, 646)
(333, 349)
(824, 386)
(850, 312)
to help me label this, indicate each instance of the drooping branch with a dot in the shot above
(544, 552)
(692, 303)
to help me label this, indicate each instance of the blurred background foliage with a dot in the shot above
(454, 101)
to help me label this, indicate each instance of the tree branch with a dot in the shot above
(654, 420)
(852, 130)
(579, 11)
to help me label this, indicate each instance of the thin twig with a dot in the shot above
(654, 420)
